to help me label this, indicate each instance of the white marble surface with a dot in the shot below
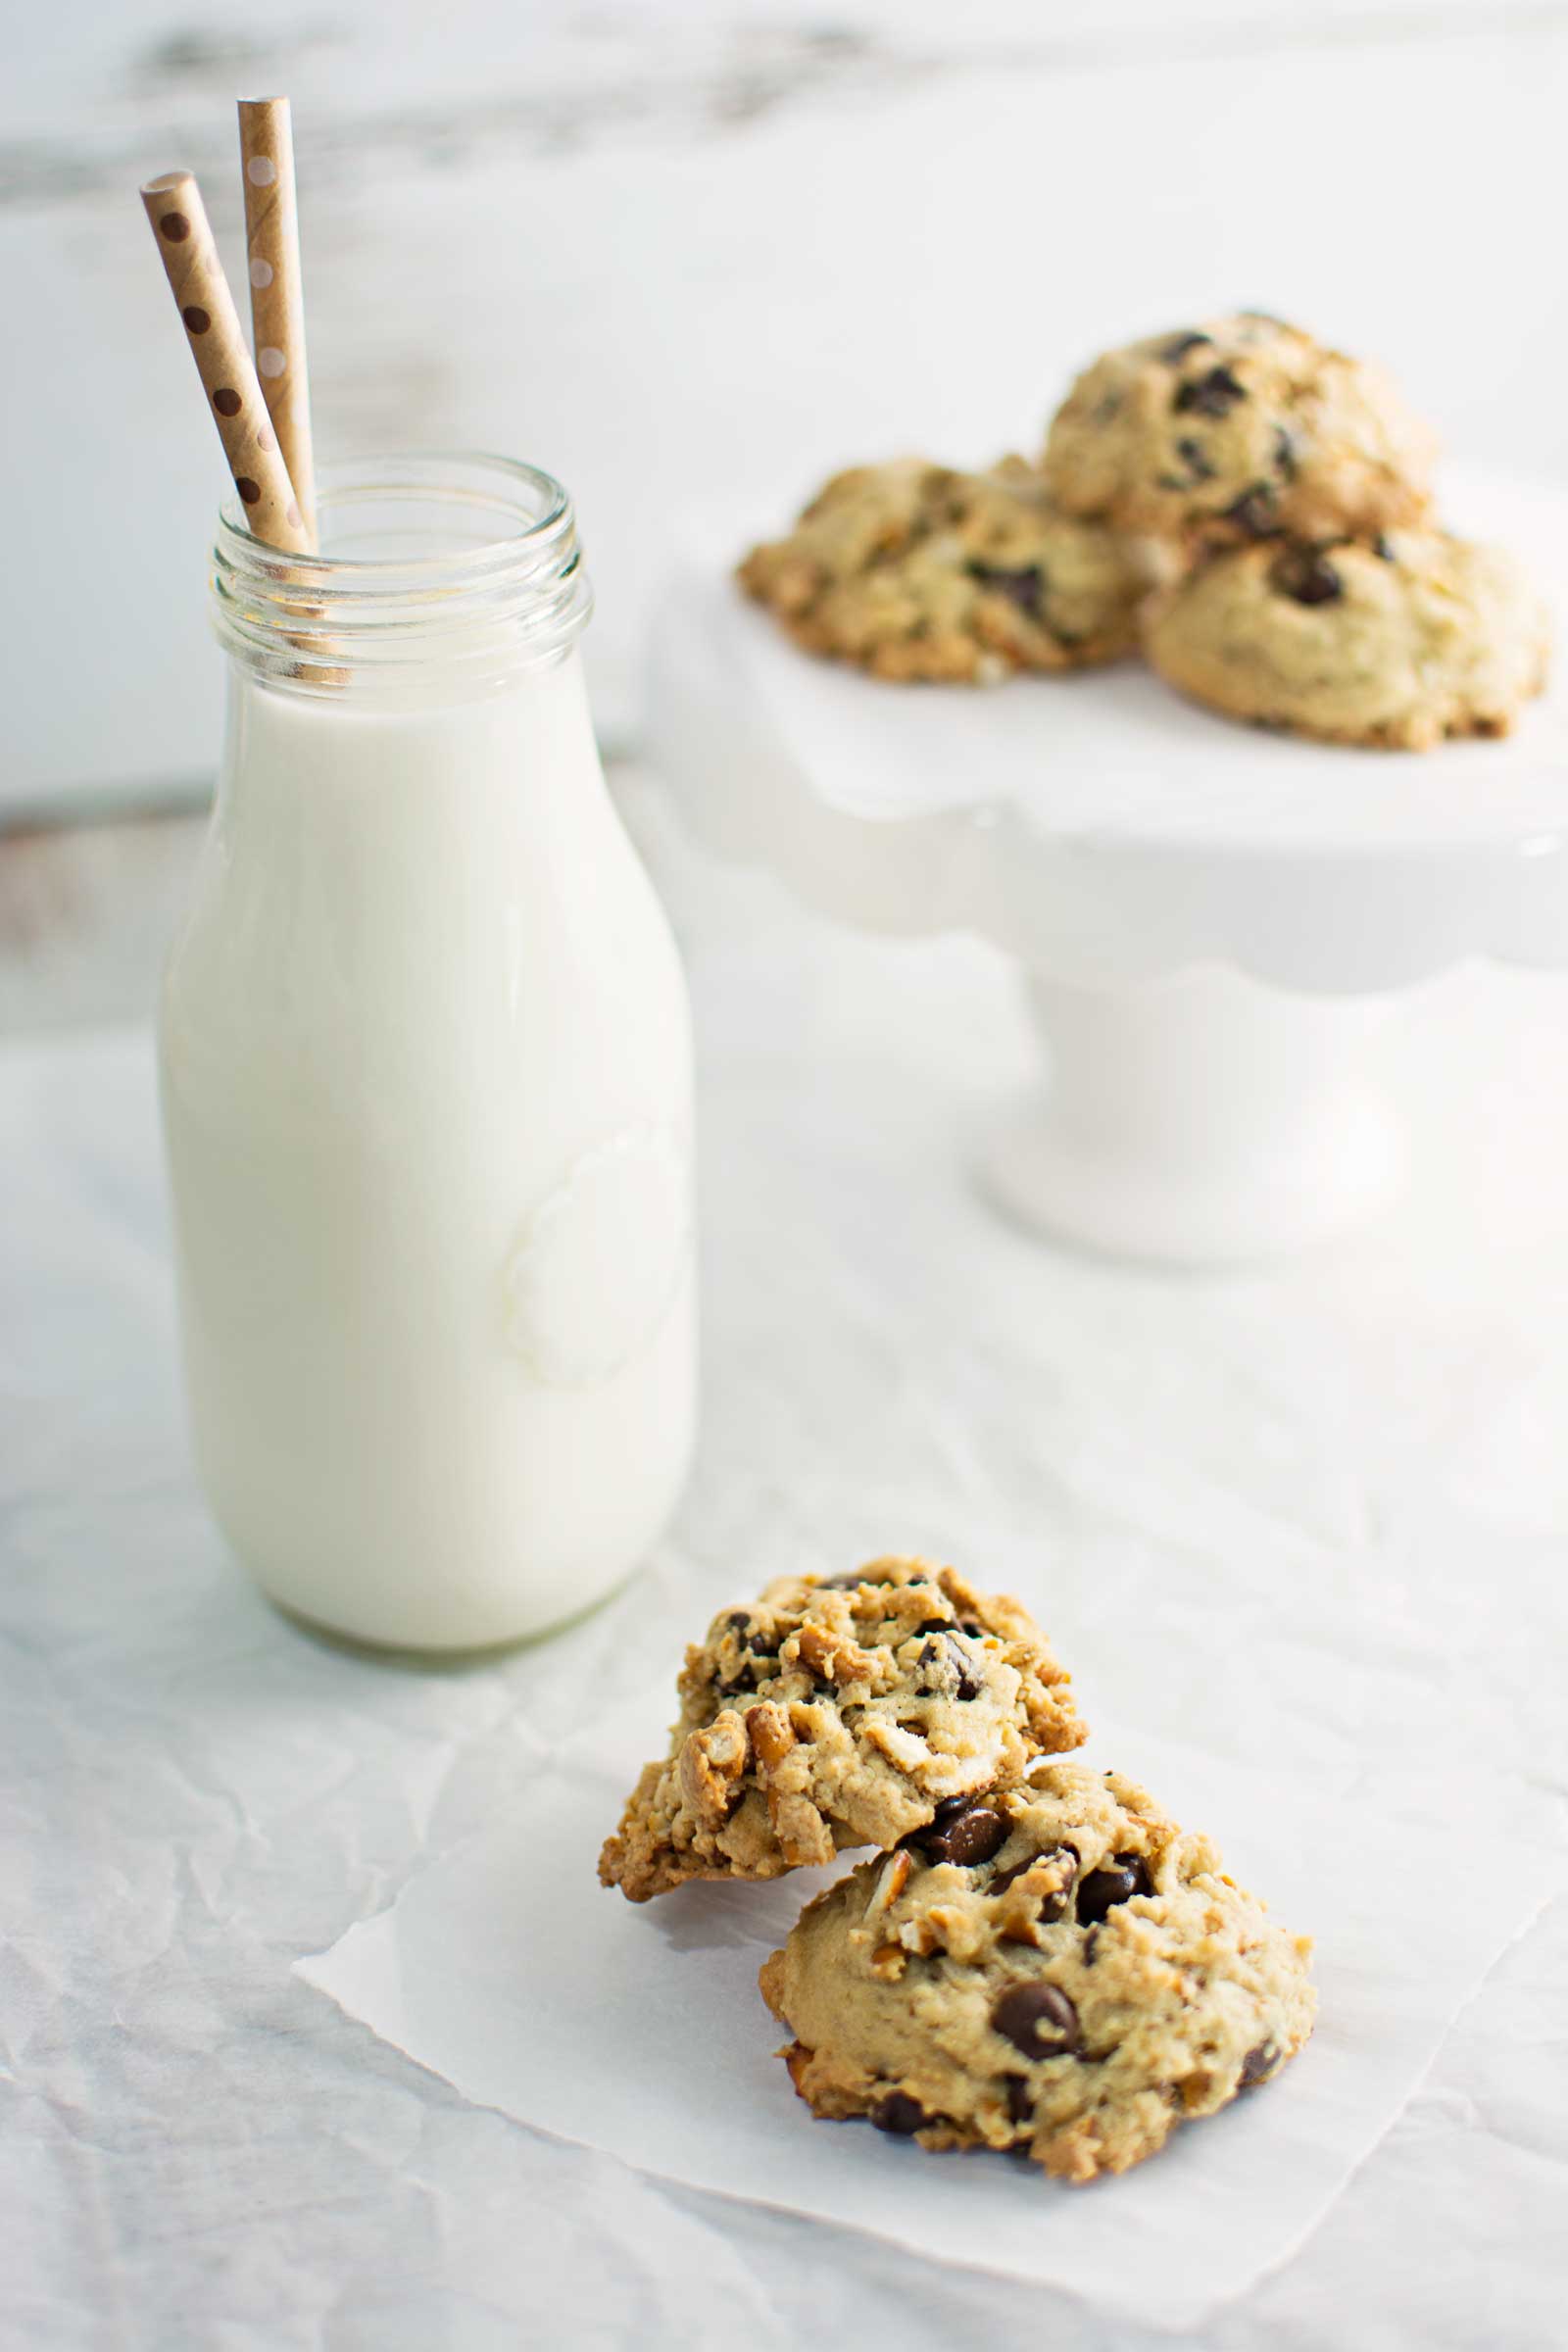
(695, 253)
(1339, 1490)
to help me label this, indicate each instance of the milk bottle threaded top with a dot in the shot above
(441, 577)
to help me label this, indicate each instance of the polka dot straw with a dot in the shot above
(217, 342)
(277, 309)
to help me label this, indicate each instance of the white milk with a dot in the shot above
(426, 1085)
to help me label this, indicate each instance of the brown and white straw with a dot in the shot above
(277, 303)
(217, 341)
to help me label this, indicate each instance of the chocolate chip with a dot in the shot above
(1198, 467)
(743, 1681)
(974, 1836)
(975, 1631)
(898, 2112)
(1037, 2019)
(971, 1834)
(1091, 1946)
(1383, 546)
(753, 1639)
(1306, 576)
(1115, 1881)
(1258, 2065)
(1212, 395)
(932, 1624)
(946, 1663)
(857, 1576)
(1284, 453)
(1178, 348)
(948, 1810)
(1024, 587)
(1255, 512)
(1020, 2099)
(969, 1682)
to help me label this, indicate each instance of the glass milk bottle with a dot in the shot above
(425, 1071)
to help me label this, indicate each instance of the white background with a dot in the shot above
(691, 254)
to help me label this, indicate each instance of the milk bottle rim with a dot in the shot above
(460, 563)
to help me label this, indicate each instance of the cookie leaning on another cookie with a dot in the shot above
(918, 572)
(1395, 643)
(835, 1714)
(1235, 429)
(1059, 1970)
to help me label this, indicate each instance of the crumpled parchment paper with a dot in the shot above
(639, 2030)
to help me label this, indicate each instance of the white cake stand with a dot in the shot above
(1209, 920)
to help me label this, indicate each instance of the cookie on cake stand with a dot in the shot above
(1210, 921)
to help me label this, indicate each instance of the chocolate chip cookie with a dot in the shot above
(918, 572)
(838, 1713)
(1397, 643)
(1057, 1969)
(1235, 429)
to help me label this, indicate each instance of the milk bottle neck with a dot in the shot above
(442, 579)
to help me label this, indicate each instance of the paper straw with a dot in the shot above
(216, 340)
(277, 305)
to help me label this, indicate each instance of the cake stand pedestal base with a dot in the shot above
(1199, 1120)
